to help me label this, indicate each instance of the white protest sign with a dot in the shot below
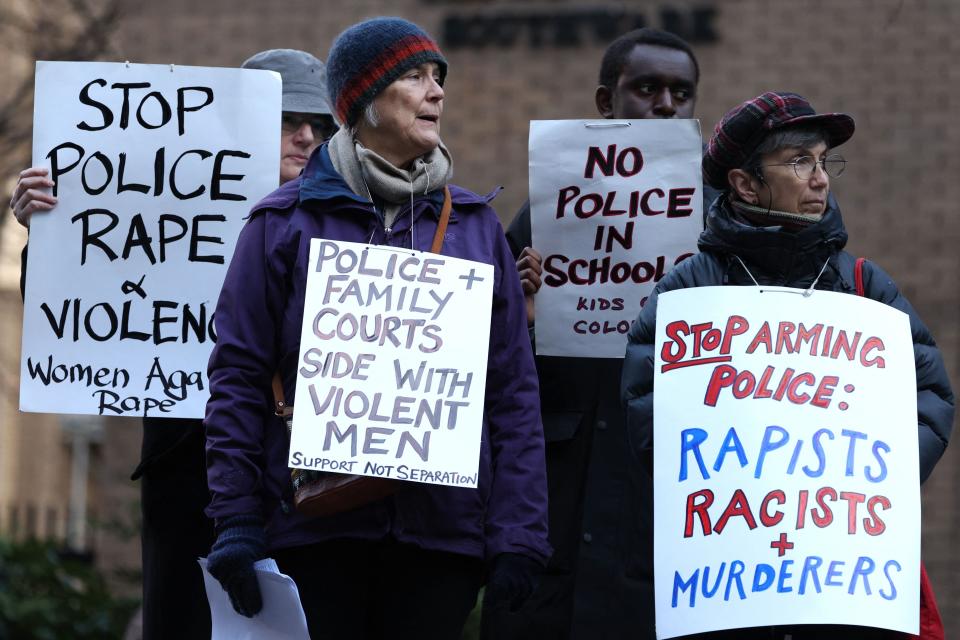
(785, 461)
(155, 168)
(614, 205)
(393, 364)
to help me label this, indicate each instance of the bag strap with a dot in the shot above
(280, 406)
(437, 245)
(931, 624)
(858, 276)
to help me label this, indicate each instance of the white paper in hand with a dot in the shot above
(281, 618)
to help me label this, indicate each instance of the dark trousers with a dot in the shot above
(175, 531)
(548, 613)
(359, 589)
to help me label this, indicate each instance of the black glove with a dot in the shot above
(240, 542)
(513, 578)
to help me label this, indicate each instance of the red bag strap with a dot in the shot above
(931, 624)
(858, 276)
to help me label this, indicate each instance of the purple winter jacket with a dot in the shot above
(258, 321)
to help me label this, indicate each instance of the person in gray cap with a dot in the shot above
(307, 118)
(776, 223)
(173, 490)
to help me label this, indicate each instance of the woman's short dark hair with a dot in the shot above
(798, 137)
(615, 57)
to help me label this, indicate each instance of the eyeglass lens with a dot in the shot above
(833, 165)
(323, 127)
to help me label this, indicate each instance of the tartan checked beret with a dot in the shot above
(368, 56)
(743, 128)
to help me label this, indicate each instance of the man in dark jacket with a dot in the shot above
(172, 470)
(599, 583)
(776, 224)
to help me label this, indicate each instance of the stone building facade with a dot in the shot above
(890, 63)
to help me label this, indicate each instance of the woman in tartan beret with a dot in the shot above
(777, 224)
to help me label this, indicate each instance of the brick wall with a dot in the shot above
(890, 63)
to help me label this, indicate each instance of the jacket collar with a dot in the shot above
(781, 256)
(320, 182)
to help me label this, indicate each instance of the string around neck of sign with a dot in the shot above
(806, 293)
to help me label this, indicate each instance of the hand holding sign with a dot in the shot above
(529, 267)
(31, 194)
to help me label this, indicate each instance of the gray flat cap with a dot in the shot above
(304, 78)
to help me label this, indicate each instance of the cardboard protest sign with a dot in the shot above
(614, 205)
(155, 168)
(393, 364)
(786, 471)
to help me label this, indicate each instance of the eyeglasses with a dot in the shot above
(804, 166)
(322, 126)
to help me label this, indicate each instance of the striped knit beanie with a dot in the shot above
(740, 132)
(368, 56)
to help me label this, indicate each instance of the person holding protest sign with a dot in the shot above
(307, 120)
(411, 564)
(175, 530)
(777, 224)
(599, 580)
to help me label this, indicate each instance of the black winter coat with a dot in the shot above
(599, 584)
(601, 501)
(778, 258)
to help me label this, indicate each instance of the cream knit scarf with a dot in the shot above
(368, 174)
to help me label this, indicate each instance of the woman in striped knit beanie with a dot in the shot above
(408, 565)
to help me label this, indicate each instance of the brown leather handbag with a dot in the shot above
(323, 493)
